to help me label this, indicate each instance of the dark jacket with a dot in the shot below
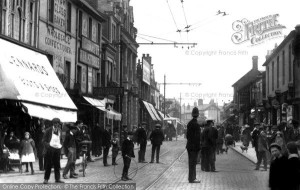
(70, 141)
(106, 139)
(47, 137)
(39, 143)
(276, 179)
(157, 137)
(141, 135)
(23, 150)
(210, 136)
(12, 142)
(255, 135)
(128, 148)
(292, 174)
(193, 135)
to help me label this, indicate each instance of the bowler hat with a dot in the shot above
(209, 121)
(195, 112)
(275, 145)
(55, 120)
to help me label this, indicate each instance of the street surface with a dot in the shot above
(234, 172)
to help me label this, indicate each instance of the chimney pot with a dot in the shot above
(255, 62)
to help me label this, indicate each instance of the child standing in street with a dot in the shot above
(127, 153)
(115, 148)
(28, 151)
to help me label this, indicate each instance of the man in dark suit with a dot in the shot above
(106, 143)
(255, 134)
(193, 144)
(127, 153)
(292, 168)
(210, 136)
(142, 140)
(156, 137)
(70, 151)
(52, 140)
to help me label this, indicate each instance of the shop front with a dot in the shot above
(31, 94)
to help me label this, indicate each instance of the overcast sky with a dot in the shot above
(219, 70)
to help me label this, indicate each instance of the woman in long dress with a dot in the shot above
(28, 152)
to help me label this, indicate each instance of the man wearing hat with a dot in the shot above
(142, 141)
(277, 168)
(52, 140)
(193, 144)
(293, 134)
(156, 137)
(210, 136)
(127, 154)
(255, 134)
(123, 134)
(106, 143)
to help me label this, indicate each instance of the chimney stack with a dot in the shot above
(200, 102)
(255, 62)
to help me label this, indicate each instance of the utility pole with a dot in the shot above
(164, 95)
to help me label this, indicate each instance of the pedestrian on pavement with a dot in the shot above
(70, 151)
(210, 135)
(106, 143)
(262, 149)
(53, 143)
(246, 137)
(292, 167)
(277, 168)
(193, 144)
(40, 146)
(124, 134)
(97, 140)
(220, 140)
(279, 139)
(127, 154)
(156, 137)
(142, 141)
(294, 132)
(28, 152)
(78, 137)
(115, 148)
(254, 135)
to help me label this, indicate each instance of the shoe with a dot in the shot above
(157, 162)
(144, 162)
(26, 171)
(114, 164)
(32, 172)
(45, 181)
(59, 181)
(214, 171)
(256, 169)
(73, 176)
(128, 178)
(106, 165)
(195, 181)
(124, 179)
(65, 176)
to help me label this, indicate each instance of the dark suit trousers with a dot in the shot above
(105, 154)
(192, 164)
(42, 162)
(71, 162)
(261, 156)
(126, 161)
(52, 158)
(157, 149)
(142, 151)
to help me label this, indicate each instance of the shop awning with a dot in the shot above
(27, 76)
(112, 114)
(100, 104)
(162, 115)
(150, 111)
(154, 111)
(49, 113)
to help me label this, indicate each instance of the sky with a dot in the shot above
(215, 62)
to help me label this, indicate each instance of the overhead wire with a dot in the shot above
(157, 38)
(187, 25)
(177, 28)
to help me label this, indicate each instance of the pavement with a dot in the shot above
(250, 154)
(63, 162)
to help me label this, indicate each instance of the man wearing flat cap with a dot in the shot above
(142, 141)
(52, 140)
(156, 137)
(127, 154)
(193, 144)
(277, 168)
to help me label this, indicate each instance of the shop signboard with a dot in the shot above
(146, 72)
(27, 75)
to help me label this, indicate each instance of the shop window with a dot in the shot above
(13, 5)
(80, 23)
(31, 11)
(30, 33)
(67, 72)
(99, 33)
(79, 74)
(3, 20)
(90, 27)
(12, 25)
(20, 24)
(69, 18)
(51, 10)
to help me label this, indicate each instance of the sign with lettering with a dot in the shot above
(89, 59)
(90, 46)
(83, 79)
(90, 80)
(146, 72)
(60, 13)
(58, 40)
(105, 91)
(27, 75)
(84, 31)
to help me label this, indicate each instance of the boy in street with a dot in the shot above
(127, 153)
(115, 148)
